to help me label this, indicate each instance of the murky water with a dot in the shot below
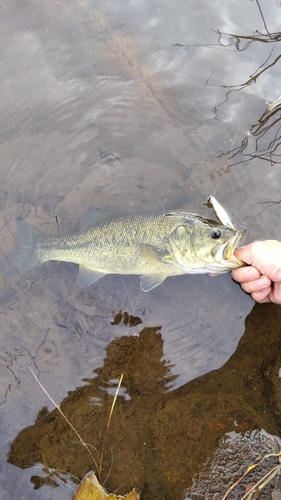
(134, 107)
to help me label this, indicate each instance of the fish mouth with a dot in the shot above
(229, 248)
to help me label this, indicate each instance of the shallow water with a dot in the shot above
(133, 107)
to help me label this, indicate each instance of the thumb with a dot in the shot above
(246, 254)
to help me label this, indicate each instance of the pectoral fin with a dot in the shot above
(87, 276)
(150, 281)
(154, 258)
(153, 255)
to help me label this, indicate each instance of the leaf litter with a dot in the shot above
(90, 489)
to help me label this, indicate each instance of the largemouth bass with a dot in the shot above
(154, 246)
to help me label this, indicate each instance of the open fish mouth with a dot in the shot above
(229, 248)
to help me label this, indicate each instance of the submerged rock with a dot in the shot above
(232, 458)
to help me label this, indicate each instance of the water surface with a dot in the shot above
(131, 107)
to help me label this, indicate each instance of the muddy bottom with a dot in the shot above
(155, 439)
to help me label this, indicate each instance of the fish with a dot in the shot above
(154, 246)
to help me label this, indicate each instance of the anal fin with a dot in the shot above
(88, 276)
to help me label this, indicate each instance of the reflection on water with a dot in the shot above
(135, 107)
(266, 131)
(158, 439)
(262, 139)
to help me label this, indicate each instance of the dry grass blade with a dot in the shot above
(109, 418)
(66, 419)
(262, 482)
(239, 480)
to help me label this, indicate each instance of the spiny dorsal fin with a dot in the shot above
(94, 214)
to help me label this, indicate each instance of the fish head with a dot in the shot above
(204, 246)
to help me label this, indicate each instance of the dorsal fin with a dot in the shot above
(94, 214)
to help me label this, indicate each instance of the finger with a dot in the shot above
(245, 274)
(250, 252)
(246, 254)
(258, 285)
(271, 294)
(265, 255)
(275, 294)
(262, 296)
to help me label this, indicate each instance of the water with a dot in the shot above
(132, 106)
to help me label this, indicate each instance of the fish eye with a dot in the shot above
(215, 234)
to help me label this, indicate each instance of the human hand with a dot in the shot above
(262, 277)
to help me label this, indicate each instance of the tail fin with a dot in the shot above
(24, 257)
